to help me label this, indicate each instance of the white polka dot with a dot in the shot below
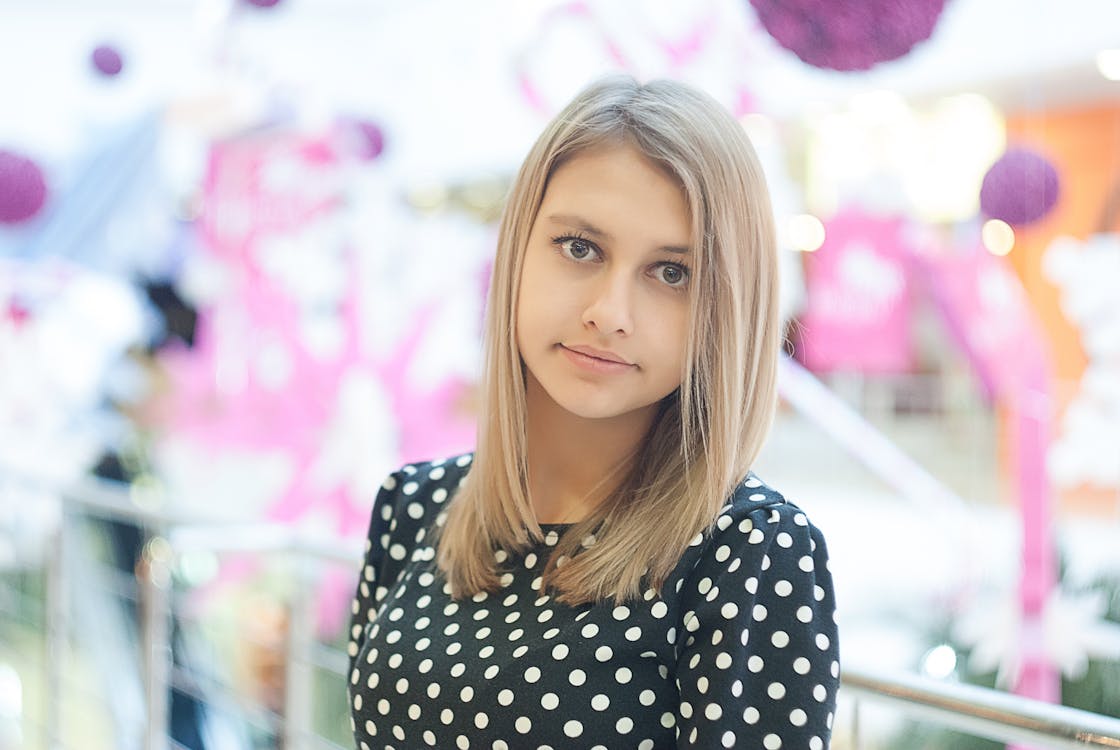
(729, 610)
(433, 690)
(589, 630)
(728, 739)
(499, 745)
(621, 613)
(776, 690)
(466, 694)
(815, 743)
(462, 742)
(759, 613)
(780, 639)
(623, 675)
(801, 665)
(481, 720)
(573, 728)
(414, 712)
(797, 717)
(624, 725)
(600, 702)
(702, 684)
(783, 588)
(402, 686)
(668, 720)
(549, 701)
(755, 663)
(713, 711)
(491, 672)
(705, 585)
(523, 724)
(822, 641)
(756, 536)
(604, 653)
(751, 715)
(771, 742)
(806, 564)
(805, 614)
(723, 660)
(560, 652)
(659, 609)
(532, 674)
(722, 553)
(634, 633)
(784, 540)
(820, 693)
(751, 585)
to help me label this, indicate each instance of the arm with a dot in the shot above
(757, 651)
(366, 597)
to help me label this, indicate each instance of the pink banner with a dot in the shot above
(859, 300)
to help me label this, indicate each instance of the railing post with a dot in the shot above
(56, 627)
(155, 579)
(297, 664)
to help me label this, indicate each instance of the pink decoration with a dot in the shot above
(361, 138)
(253, 380)
(107, 60)
(989, 316)
(849, 35)
(23, 190)
(1020, 188)
(858, 312)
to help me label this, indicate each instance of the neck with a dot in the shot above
(575, 462)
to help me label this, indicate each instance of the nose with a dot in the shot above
(610, 309)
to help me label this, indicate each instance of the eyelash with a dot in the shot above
(560, 240)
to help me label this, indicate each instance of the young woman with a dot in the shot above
(605, 570)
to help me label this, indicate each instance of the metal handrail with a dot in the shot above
(984, 712)
(976, 710)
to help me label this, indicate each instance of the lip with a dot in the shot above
(595, 359)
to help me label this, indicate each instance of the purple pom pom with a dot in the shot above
(107, 60)
(23, 191)
(1021, 187)
(848, 35)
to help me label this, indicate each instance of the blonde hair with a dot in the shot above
(709, 432)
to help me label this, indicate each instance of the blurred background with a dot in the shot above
(244, 246)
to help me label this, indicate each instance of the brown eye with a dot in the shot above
(673, 275)
(577, 248)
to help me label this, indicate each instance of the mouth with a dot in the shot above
(598, 354)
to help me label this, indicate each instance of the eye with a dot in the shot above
(673, 274)
(576, 248)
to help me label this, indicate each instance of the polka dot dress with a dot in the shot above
(738, 648)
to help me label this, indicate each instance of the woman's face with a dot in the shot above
(603, 306)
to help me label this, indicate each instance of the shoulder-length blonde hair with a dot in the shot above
(709, 432)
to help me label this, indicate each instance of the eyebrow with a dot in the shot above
(585, 226)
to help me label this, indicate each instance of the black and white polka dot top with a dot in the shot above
(737, 649)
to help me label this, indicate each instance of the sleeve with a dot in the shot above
(758, 659)
(369, 593)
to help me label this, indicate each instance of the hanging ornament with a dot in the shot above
(852, 35)
(1020, 188)
(107, 60)
(361, 138)
(23, 191)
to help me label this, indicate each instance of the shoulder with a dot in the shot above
(756, 529)
(412, 496)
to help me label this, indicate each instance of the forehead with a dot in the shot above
(617, 185)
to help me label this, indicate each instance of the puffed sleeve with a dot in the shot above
(368, 593)
(758, 659)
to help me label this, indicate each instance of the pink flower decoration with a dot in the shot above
(1021, 187)
(23, 191)
(849, 35)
